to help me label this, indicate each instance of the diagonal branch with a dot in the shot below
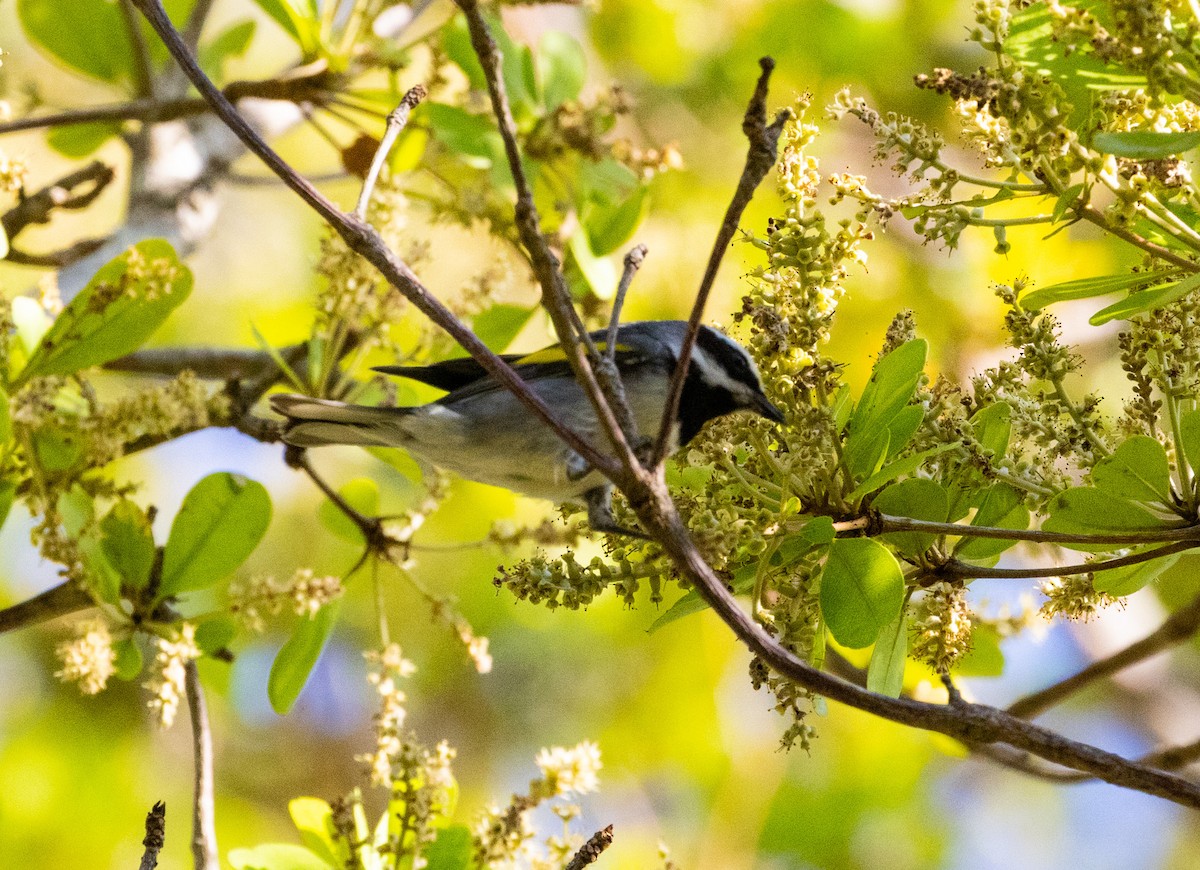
(759, 159)
(556, 298)
(38, 208)
(648, 496)
(54, 602)
(364, 241)
(1178, 627)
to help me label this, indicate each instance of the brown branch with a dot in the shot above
(1091, 215)
(209, 363)
(967, 722)
(307, 84)
(55, 602)
(648, 495)
(759, 159)
(204, 826)
(156, 835)
(38, 208)
(1177, 628)
(397, 120)
(556, 298)
(954, 568)
(364, 241)
(1168, 758)
(591, 851)
(879, 524)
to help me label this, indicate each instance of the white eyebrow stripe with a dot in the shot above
(714, 374)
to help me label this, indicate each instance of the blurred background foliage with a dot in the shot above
(690, 752)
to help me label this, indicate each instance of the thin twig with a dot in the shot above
(397, 119)
(64, 194)
(204, 823)
(591, 851)
(306, 85)
(156, 835)
(556, 298)
(954, 568)
(363, 240)
(759, 159)
(633, 262)
(1168, 758)
(143, 68)
(54, 602)
(195, 23)
(213, 363)
(1177, 628)
(883, 523)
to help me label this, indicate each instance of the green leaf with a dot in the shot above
(1086, 288)
(500, 324)
(1145, 144)
(561, 68)
(473, 139)
(691, 602)
(984, 658)
(899, 468)
(221, 521)
(1001, 508)
(1145, 300)
(865, 454)
(918, 499)
(105, 578)
(1085, 510)
(362, 494)
(87, 36)
(456, 41)
(599, 272)
(609, 227)
(215, 634)
(313, 818)
(1189, 435)
(891, 387)
(230, 43)
(1137, 470)
(903, 427)
(277, 856)
(1129, 579)
(31, 321)
(298, 656)
(450, 850)
(128, 663)
(1065, 201)
(885, 673)
(123, 304)
(862, 590)
(128, 543)
(8, 494)
(399, 460)
(79, 140)
(992, 426)
(77, 510)
(298, 20)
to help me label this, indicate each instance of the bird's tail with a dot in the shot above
(316, 422)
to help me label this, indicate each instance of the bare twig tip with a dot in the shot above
(414, 96)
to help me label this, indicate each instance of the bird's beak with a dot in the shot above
(763, 407)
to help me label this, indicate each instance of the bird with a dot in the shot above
(482, 432)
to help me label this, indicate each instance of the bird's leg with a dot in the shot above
(600, 515)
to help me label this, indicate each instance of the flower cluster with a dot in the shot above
(304, 593)
(89, 659)
(168, 672)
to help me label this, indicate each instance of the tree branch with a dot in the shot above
(1178, 627)
(556, 298)
(591, 851)
(363, 240)
(54, 602)
(397, 119)
(204, 827)
(879, 524)
(648, 495)
(38, 208)
(156, 835)
(759, 159)
(954, 568)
